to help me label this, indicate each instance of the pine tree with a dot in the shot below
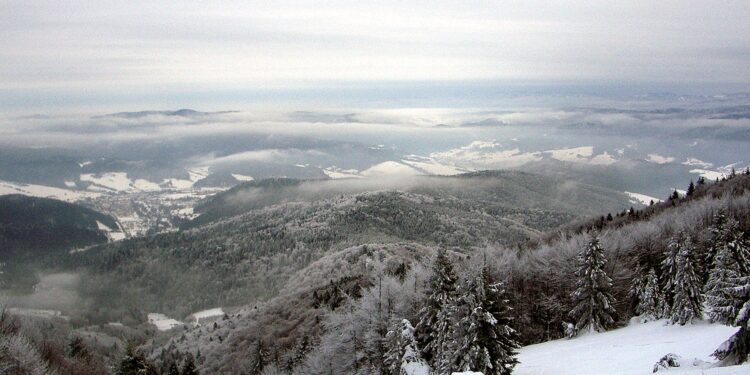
(593, 309)
(736, 349)
(690, 189)
(489, 343)
(688, 300)
(134, 363)
(730, 264)
(435, 330)
(260, 360)
(173, 369)
(188, 367)
(669, 271)
(650, 300)
(402, 350)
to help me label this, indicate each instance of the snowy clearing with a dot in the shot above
(242, 177)
(163, 322)
(630, 350)
(44, 191)
(205, 314)
(641, 198)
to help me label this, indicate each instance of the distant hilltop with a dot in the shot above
(180, 112)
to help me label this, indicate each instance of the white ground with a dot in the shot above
(629, 350)
(390, 168)
(242, 177)
(218, 311)
(44, 191)
(163, 322)
(642, 198)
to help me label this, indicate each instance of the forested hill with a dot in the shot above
(356, 294)
(250, 257)
(500, 190)
(30, 225)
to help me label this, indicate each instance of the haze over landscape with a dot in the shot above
(324, 187)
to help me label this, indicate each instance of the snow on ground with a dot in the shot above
(709, 175)
(433, 167)
(641, 198)
(198, 173)
(485, 155)
(113, 234)
(44, 191)
(336, 173)
(658, 159)
(162, 322)
(176, 183)
(145, 185)
(115, 181)
(205, 314)
(577, 154)
(390, 168)
(630, 350)
(242, 177)
(603, 159)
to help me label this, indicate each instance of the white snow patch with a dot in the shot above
(641, 198)
(115, 181)
(162, 322)
(390, 168)
(630, 350)
(658, 159)
(85, 163)
(576, 154)
(336, 173)
(484, 155)
(70, 184)
(197, 173)
(708, 174)
(433, 167)
(242, 177)
(210, 313)
(145, 185)
(176, 183)
(44, 191)
(603, 159)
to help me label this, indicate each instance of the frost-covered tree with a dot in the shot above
(736, 349)
(403, 356)
(188, 366)
(669, 270)
(650, 299)
(593, 309)
(488, 343)
(260, 359)
(133, 363)
(688, 300)
(435, 330)
(723, 304)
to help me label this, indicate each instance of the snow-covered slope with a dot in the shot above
(630, 350)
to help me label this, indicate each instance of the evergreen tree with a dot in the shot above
(133, 363)
(172, 370)
(669, 270)
(736, 349)
(435, 330)
(260, 360)
(489, 343)
(402, 352)
(650, 300)
(688, 300)
(593, 309)
(188, 367)
(690, 189)
(730, 264)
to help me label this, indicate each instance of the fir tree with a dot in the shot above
(736, 349)
(435, 330)
(260, 360)
(402, 350)
(134, 363)
(690, 189)
(669, 270)
(730, 263)
(650, 300)
(188, 367)
(688, 300)
(173, 370)
(593, 309)
(489, 343)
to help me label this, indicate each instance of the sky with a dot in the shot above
(134, 54)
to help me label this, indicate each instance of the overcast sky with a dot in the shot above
(67, 53)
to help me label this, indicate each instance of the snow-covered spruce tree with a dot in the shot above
(402, 356)
(736, 349)
(489, 343)
(688, 300)
(593, 309)
(435, 330)
(723, 303)
(650, 299)
(669, 271)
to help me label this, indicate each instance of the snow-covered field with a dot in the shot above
(163, 322)
(630, 350)
(44, 191)
(641, 198)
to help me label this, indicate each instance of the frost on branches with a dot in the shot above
(688, 300)
(729, 265)
(593, 309)
(403, 356)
